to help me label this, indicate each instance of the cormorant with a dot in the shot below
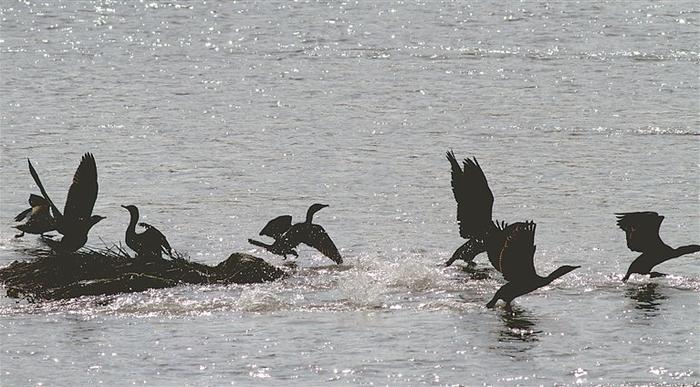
(77, 219)
(149, 244)
(37, 218)
(642, 233)
(288, 237)
(474, 208)
(515, 261)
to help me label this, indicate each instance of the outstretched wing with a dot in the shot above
(153, 234)
(473, 196)
(23, 215)
(35, 176)
(82, 194)
(278, 226)
(516, 258)
(641, 230)
(312, 235)
(495, 240)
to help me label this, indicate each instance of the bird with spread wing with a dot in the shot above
(474, 209)
(76, 220)
(37, 218)
(642, 234)
(288, 236)
(515, 260)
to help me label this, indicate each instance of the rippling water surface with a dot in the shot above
(214, 117)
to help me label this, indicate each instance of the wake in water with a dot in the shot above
(365, 283)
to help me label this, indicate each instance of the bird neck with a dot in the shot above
(132, 222)
(683, 250)
(310, 214)
(556, 274)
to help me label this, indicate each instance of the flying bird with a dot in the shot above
(642, 234)
(515, 261)
(474, 208)
(148, 244)
(37, 218)
(76, 220)
(288, 236)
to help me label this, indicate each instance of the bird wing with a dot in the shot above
(153, 234)
(312, 235)
(82, 193)
(473, 196)
(278, 226)
(35, 176)
(495, 241)
(516, 258)
(36, 200)
(641, 230)
(23, 215)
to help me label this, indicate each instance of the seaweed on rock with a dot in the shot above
(108, 271)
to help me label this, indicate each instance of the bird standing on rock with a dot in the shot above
(76, 220)
(288, 237)
(149, 244)
(37, 218)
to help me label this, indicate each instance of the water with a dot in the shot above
(214, 117)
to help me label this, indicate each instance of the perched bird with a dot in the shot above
(288, 237)
(515, 261)
(149, 244)
(37, 218)
(76, 220)
(642, 233)
(474, 208)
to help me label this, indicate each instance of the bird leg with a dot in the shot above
(655, 274)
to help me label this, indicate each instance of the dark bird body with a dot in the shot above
(149, 244)
(642, 234)
(76, 220)
(515, 261)
(474, 208)
(288, 236)
(37, 219)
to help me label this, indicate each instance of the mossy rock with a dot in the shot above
(106, 272)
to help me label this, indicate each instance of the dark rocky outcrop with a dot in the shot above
(112, 271)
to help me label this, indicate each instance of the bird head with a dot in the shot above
(96, 218)
(314, 209)
(562, 270)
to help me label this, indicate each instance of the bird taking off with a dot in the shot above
(76, 220)
(516, 261)
(642, 234)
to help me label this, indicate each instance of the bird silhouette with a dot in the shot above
(149, 244)
(515, 261)
(474, 208)
(642, 234)
(288, 237)
(76, 220)
(37, 218)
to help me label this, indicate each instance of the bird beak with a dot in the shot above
(124, 207)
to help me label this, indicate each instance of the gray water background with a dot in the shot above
(214, 117)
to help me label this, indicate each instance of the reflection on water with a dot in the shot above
(518, 326)
(647, 297)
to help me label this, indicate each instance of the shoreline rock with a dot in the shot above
(106, 272)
